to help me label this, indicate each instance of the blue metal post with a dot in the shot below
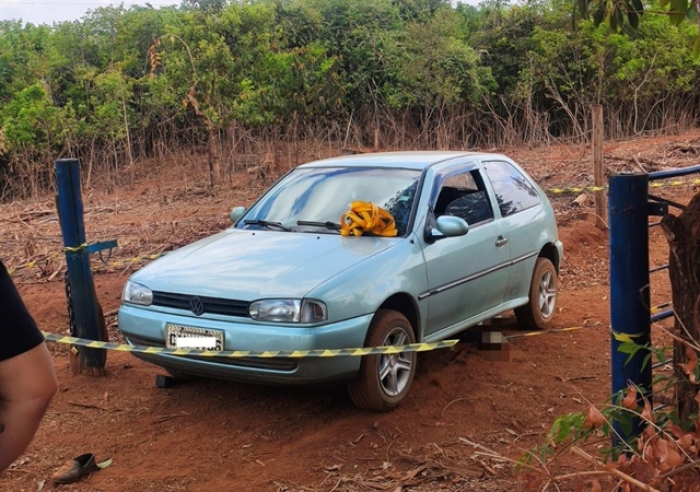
(629, 283)
(70, 212)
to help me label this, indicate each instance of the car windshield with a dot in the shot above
(314, 199)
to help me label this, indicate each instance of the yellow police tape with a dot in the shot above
(576, 189)
(653, 184)
(545, 332)
(660, 307)
(109, 264)
(76, 249)
(665, 184)
(33, 263)
(128, 261)
(293, 354)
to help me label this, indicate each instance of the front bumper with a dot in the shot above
(147, 327)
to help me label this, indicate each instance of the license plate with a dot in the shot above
(188, 337)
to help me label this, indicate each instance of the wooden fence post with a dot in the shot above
(598, 169)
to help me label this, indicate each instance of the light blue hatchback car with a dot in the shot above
(475, 237)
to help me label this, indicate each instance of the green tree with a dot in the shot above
(618, 13)
(32, 128)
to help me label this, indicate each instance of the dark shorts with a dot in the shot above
(18, 331)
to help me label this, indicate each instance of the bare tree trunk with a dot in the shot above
(228, 148)
(683, 235)
(213, 157)
(128, 135)
(88, 180)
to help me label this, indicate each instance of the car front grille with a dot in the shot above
(210, 305)
(275, 364)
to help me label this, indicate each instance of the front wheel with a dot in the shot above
(539, 310)
(384, 380)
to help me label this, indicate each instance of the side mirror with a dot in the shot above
(446, 226)
(236, 214)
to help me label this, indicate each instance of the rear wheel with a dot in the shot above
(539, 311)
(384, 380)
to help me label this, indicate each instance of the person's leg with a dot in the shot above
(27, 384)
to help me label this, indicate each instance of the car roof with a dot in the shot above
(411, 160)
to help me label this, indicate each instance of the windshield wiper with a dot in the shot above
(267, 223)
(328, 224)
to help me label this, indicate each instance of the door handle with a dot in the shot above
(501, 241)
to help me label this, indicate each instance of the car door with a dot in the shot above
(467, 275)
(521, 209)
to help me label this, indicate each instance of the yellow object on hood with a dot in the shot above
(367, 217)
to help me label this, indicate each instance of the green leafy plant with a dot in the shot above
(663, 457)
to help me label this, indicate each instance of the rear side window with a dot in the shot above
(513, 191)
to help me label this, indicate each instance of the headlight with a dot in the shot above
(288, 310)
(137, 294)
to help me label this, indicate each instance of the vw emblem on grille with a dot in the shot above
(196, 305)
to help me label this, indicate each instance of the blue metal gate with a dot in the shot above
(629, 208)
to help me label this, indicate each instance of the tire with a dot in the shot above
(537, 314)
(384, 380)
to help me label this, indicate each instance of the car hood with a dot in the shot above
(248, 265)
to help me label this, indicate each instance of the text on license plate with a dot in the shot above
(188, 337)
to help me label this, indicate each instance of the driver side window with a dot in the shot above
(463, 195)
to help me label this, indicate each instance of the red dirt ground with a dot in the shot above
(467, 411)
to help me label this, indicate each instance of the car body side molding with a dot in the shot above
(475, 276)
